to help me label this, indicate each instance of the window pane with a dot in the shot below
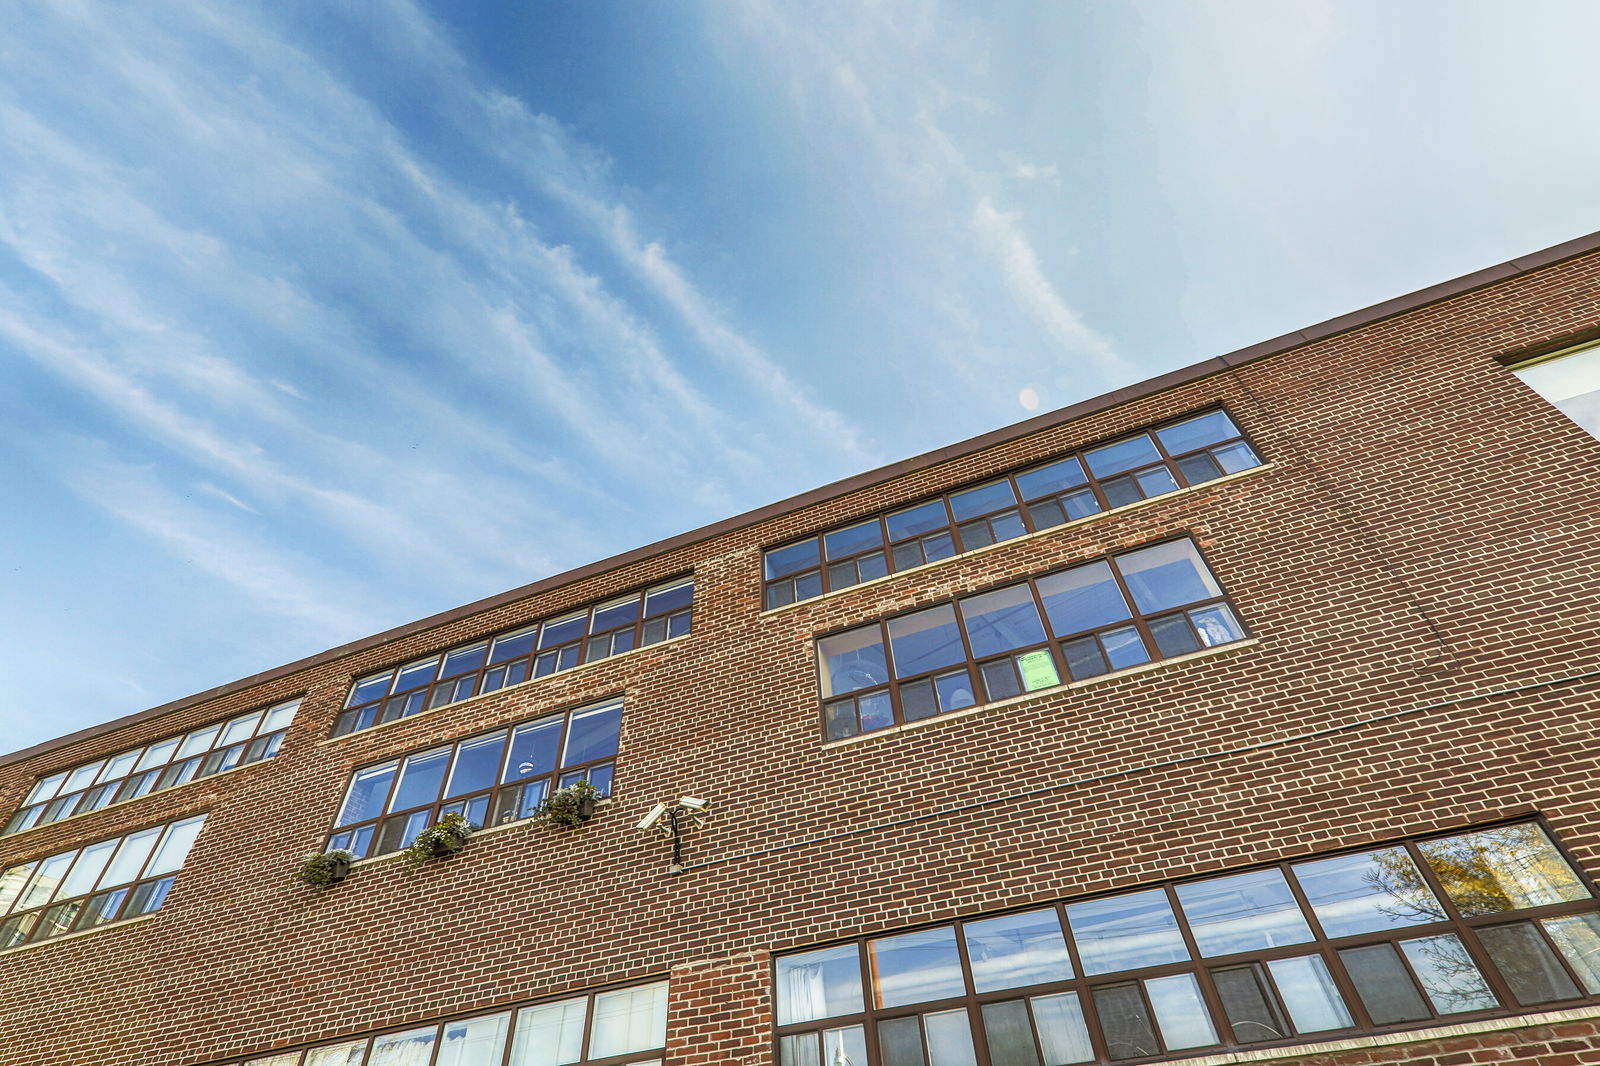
(798, 1050)
(130, 858)
(594, 734)
(513, 645)
(533, 749)
(985, 499)
(11, 884)
(549, 1034)
(949, 1039)
(1368, 891)
(464, 660)
(563, 631)
(1017, 950)
(410, 1048)
(925, 641)
(477, 764)
(1527, 964)
(1180, 1014)
(156, 754)
(819, 984)
(1126, 932)
(1309, 994)
(1448, 975)
(416, 675)
(1048, 480)
(86, 871)
(280, 716)
(853, 540)
(349, 1054)
(917, 520)
(1502, 869)
(916, 967)
(1578, 939)
(628, 1020)
(239, 729)
(781, 562)
(666, 598)
(193, 744)
(1216, 625)
(175, 846)
(1124, 647)
(1124, 455)
(623, 612)
(1167, 575)
(84, 776)
(421, 778)
(1062, 1032)
(1002, 620)
(1244, 912)
(1572, 383)
(1197, 433)
(900, 1042)
(1248, 1002)
(1129, 1030)
(1236, 457)
(853, 660)
(1384, 985)
(1009, 1033)
(1085, 597)
(368, 789)
(844, 1045)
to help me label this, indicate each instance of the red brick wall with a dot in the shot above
(1428, 534)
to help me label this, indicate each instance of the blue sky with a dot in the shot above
(316, 318)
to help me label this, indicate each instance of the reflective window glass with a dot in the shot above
(1503, 869)
(1002, 620)
(1017, 950)
(916, 967)
(1367, 891)
(1126, 932)
(1167, 575)
(819, 984)
(853, 660)
(1085, 597)
(1243, 912)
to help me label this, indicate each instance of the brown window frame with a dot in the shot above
(1024, 514)
(513, 667)
(976, 669)
(1204, 968)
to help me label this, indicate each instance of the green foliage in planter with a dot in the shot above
(327, 868)
(445, 837)
(568, 807)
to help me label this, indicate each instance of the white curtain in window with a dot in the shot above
(550, 1034)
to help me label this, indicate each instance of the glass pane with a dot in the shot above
(1173, 635)
(239, 729)
(1216, 625)
(513, 645)
(985, 499)
(1236, 457)
(84, 776)
(799, 1050)
(416, 675)
(1309, 994)
(608, 616)
(477, 764)
(1365, 892)
(949, 1038)
(918, 520)
(1384, 985)
(193, 744)
(900, 1042)
(852, 661)
(1576, 937)
(925, 641)
(421, 778)
(130, 858)
(1048, 480)
(1199, 467)
(781, 562)
(594, 734)
(918, 701)
(1244, 912)
(157, 754)
(1197, 433)
(1017, 950)
(1167, 575)
(563, 631)
(875, 711)
(845, 1046)
(1249, 1005)
(368, 789)
(349, 1054)
(1009, 1033)
(47, 788)
(175, 846)
(915, 967)
(1130, 1032)
(665, 598)
(1156, 480)
(11, 883)
(819, 984)
(533, 749)
(46, 881)
(1062, 1032)
(1084, 658)
(628, 1020)
(550, 1034)
(1448, 975)
(1180, 1014)
(85, 872)
(1085, 597)
(1505, 869)
(955, 690)
(411, 1048)
(853, 540)
(1572, 383)
(1002, 620)
(1126, 932)
(370, 688)
(1527, 963)
(279, 717)
(1124, 647)
(1123, 455)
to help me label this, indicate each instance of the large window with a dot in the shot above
(1416, 933)
(619, 1027)
(1126, 471)
(1571, 381)
(70, 891)
(594, 633)
(1133, 608)
(491, 778)
(139, 771)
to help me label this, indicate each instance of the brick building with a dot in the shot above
(1244, 714)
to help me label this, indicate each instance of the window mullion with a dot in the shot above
(1208, 992)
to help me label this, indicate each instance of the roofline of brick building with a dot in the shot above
(1366, 316)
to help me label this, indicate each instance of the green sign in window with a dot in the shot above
(1038, 670)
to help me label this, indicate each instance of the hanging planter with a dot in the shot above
(325, 869)
(445, 837)
(570, 807)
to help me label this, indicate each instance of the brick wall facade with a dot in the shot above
(1419, 567)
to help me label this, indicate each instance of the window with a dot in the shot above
(619, 1027)
(1126, 471)
(90, 886)
(598, 632)
(1420, 932)
(1571, 381)
(166, 763)
(491, 779)
(1133, 608)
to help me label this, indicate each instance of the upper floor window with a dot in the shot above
(79, 889)
(608, 1028)
(139, 771)
(1571, 381)
(491, 778)
(1126, 471)
(589, 635)
(1087, 620)
(1419, 932)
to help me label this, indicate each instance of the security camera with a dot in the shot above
(698, 806)
(653, 818)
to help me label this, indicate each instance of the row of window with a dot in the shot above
(1086, 620)
(598, 632)
(620, 1027)
(491, 778)
(166, 763)
(1190, 452)
(123, 877)
(1488, 921)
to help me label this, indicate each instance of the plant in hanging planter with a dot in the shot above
(570, 806)
(445, 837)
(325, 869)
